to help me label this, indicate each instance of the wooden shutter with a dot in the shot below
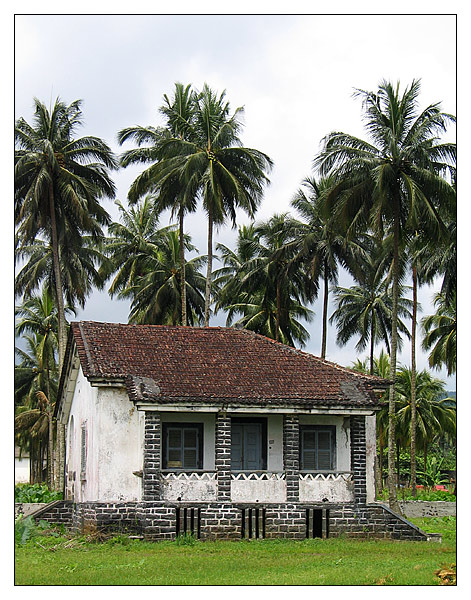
(317, 452)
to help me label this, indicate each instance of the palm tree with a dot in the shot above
(37, 316)
(156, 294)
(323, 247)
(440, 334)
(36, 374)
(168, 185)
(58, 183)
(262, 282)
(80, 271)
(396, 179)
(212, 164)
(438, 258)
(366, 310)
(130, 243)
(436, 415)
(381, 368)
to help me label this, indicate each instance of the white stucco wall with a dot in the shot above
(82, 413)
(115, 434)
(118, 440)
(114, 430)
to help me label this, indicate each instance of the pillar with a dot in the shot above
(291, 456)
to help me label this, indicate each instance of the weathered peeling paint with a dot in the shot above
(326, 490)
(119, 447)
(193, 488)
(113, 445)
(254, 490)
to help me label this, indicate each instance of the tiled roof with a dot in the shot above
(214, 364)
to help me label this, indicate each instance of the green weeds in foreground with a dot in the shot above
(49, 560)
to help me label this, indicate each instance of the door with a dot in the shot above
(247, 447)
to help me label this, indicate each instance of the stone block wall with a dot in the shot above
(291, 456)
(58, 512)
(229, 521)
(152, 456)
(358, 458)
(223, 457)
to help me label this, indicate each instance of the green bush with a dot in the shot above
(422, 494)
(26, 528)
(37, 492)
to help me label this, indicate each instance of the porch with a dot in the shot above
(257, 458)
(258, 487)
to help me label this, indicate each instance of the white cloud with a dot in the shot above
(294, 73)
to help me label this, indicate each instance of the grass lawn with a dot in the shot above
(46, 560)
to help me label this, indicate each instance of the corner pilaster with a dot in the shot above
(152, 456)
(291, 456)
(358, 458)
(223, 457)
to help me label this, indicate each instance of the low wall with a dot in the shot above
(57, 512)
(166, 520)
(26, 508)
(422, 508)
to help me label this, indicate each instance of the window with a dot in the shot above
(317, 448)
(249, 444)
(182, 446)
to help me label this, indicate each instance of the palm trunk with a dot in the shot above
(62, 333)
(207, 301)
(398, 463)
(32, 457)
(380, 478)
(324, 312)
(392, 476)
(61, 467)
(182, 269)
(372, 346)
(413, 406)
(278, 305)
(50, 449)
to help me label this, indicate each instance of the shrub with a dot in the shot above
(26, 528)
(422, 494)
(37, 492)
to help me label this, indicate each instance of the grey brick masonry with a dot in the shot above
(232, 521)
(152, 456)
(223, 457)
(291, 456)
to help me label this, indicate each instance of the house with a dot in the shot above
(22, 467)
(216, 431)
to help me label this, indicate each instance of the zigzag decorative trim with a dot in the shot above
(325, 476)
(258, 476)
(175, 476)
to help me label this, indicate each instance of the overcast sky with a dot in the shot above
(294, 74)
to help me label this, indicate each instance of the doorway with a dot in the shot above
(248, 444)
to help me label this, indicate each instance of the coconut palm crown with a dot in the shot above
(398, 180)
(59, 181)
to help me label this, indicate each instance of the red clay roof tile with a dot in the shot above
(215, 364)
